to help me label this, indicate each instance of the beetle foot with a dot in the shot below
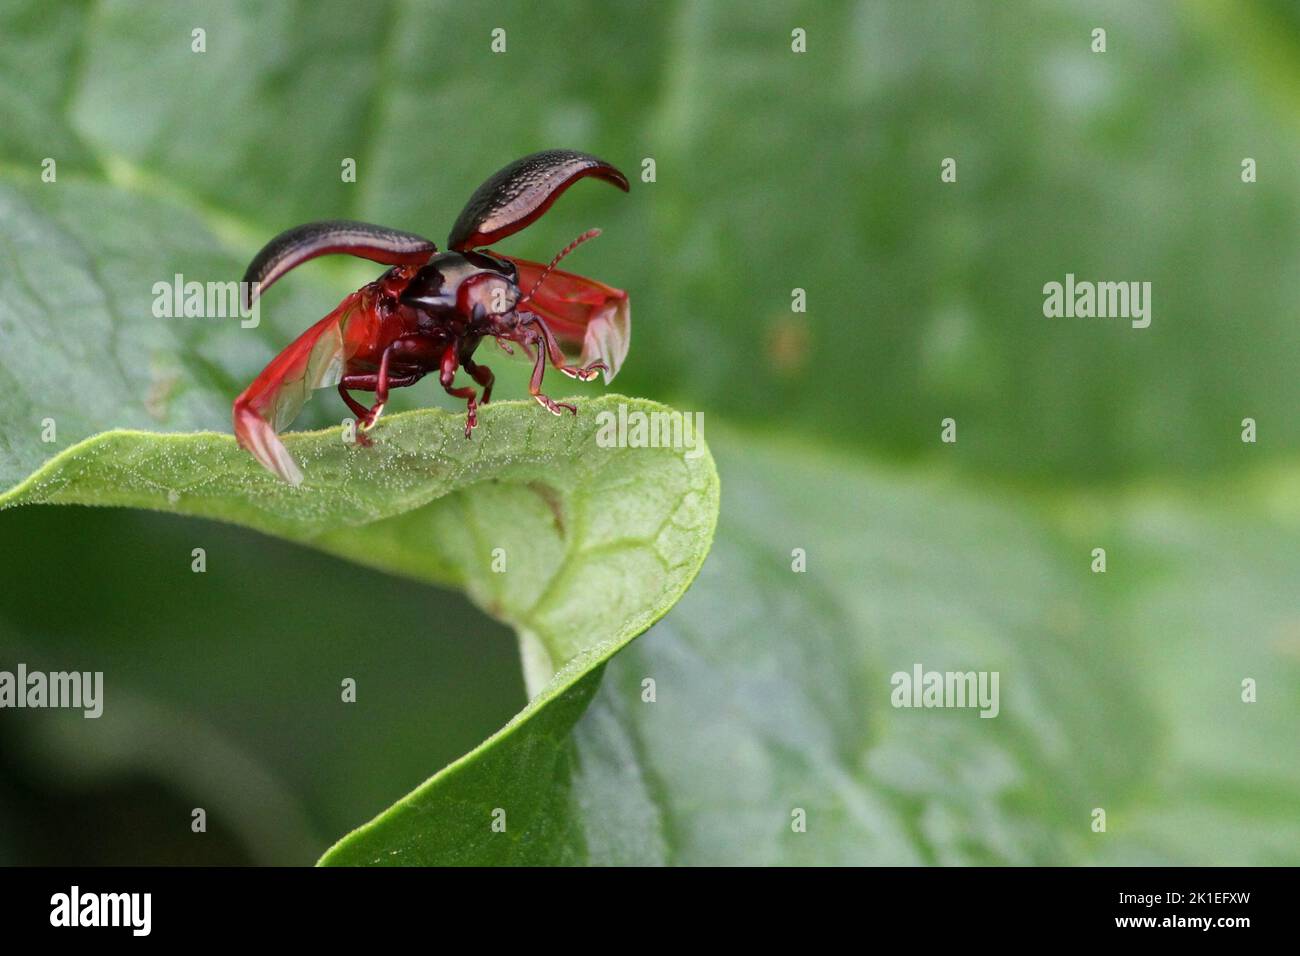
(471, 419)
(554, 407)
(585, 373)
(359, 436)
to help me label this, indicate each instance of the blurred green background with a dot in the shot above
(774, 171)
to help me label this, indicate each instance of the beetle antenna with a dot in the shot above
(589, 234)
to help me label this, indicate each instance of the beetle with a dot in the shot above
(431, 309)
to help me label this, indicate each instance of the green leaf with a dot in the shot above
(596, 543)
(1118, 690)
(772, 691)
(790, 689)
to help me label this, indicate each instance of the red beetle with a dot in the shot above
(430, 311)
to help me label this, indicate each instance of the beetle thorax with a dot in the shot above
(470, 285)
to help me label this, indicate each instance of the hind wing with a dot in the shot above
(315, 359)
(591, 320)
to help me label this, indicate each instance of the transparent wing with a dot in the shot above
(316, 359)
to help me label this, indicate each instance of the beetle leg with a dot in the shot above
(548, 340)
(358, 409)
(370, 383)
(471, 405)
(584, 373)
(483, 375)
(539, 369)
(381, 394)
(450, 362)
(403, 362)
